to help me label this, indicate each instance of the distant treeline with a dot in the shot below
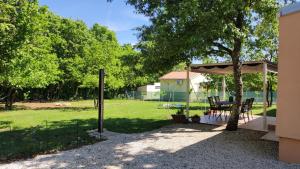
(44, 56)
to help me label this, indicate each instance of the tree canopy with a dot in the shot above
(58, 57)
(183, 30)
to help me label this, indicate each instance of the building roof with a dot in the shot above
(227, 68)
(179, 75)
(292, 8)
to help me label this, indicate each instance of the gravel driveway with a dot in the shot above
(176, 146)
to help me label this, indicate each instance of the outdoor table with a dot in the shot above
(225, 103)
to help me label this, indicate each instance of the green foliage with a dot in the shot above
(25, 56)
(59, 55)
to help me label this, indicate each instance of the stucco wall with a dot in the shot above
(169, 86)
(288, 115)
(288, 110)
(172, 86)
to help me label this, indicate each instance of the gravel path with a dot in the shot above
(176, 146)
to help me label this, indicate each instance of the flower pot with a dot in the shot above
(179, 118)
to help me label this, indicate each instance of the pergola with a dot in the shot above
(227, 68)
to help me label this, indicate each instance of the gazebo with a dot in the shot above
(227, 68)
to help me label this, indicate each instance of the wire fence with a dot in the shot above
(194, 96)
(50, 136)
(46, 137)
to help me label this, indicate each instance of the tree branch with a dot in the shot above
(222, 47)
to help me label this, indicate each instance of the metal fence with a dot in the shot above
(194, 96)
(48, 136)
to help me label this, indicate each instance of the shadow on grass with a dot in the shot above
(44, 138)
(136, 125)
(270, 112)
(5, 124)
(55, 136)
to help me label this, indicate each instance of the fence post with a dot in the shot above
(101, 101)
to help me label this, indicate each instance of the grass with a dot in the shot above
(25, 133)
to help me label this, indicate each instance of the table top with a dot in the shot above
(225, 103)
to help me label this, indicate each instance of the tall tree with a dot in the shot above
(185, 29)
(26, 60)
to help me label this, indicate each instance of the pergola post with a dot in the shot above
(223, 87)
(265, 72)
(187, 90)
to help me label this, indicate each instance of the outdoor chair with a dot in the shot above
(214, 108)
(251, 106)
(217, 99)
(227, 108)
(223, 107)
(245, 109)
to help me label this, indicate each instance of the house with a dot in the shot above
(149, 92)
(173, 85)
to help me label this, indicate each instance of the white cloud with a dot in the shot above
(118, 26)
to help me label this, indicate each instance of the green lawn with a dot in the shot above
(24, 133)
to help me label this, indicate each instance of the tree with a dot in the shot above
(26, 60)
(183, 29)
(133, 68)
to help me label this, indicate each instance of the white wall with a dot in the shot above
(150, 88)
(180, 89)
(173, 86)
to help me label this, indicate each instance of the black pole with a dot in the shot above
(101, 101)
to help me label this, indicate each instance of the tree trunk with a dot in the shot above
(95, 98)
(234, 118)
(237, 74)
(10, 99)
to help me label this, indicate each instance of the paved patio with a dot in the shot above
(255, 123)
(175, 146)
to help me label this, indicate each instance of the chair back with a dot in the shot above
(245, 106)
(251, 103)
(230, 99)
(217, 99)
(211, 102)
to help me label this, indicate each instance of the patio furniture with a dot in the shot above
(215, 107)
(251, 106)
(245, 109)
(212, 106)
(226, 106)
(217, 99)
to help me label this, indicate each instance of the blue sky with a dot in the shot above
(116, 15)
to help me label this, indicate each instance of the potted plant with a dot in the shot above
(179, 117)
(196, 119)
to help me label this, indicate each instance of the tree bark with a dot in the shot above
(10, 99)
(232, 124)
(234, 118)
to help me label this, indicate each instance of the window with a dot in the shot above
(179, 82)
